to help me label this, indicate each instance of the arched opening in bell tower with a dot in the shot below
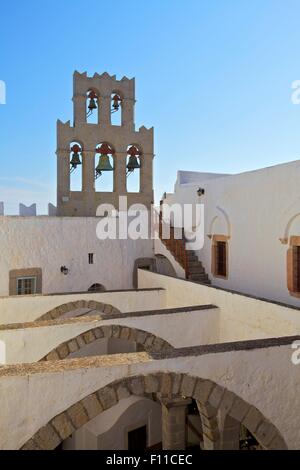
(75, 166)
(104, 167)
(116, 109)
(92, 107)
(133, 168)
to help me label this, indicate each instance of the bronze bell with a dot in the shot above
(133, 163)
(75, 161)
(103, 165)
(92, 103)
(116, 102)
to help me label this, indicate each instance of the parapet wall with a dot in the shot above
(29, 211)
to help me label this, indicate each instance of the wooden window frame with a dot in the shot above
(215, 240)
(26, 278)
(291, 282)
(16, 274)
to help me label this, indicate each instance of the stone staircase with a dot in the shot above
(188, 259)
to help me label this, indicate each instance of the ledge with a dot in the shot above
(86, 318)
(150, 289)
(142, 357)
(230, 291)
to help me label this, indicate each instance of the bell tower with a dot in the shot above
(102, 146)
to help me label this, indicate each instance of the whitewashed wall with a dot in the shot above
(31, 342)
(239, 317)
(52, 242)
(256, 209)
(21, 309)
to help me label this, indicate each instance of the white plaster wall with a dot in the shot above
(52, 242)
(105, 346)
(258, 206)
(265, 378)
(241, 317)
(20, 309)
(108, 431)
(31, 343)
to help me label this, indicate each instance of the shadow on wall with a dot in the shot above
(159, 264)
(164, 266)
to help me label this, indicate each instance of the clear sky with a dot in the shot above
(212, 76)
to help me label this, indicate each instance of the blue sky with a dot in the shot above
(212, 76)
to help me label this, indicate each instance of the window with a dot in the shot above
(293, 266)
(221, 259)
(26, 285)
(96, 288)
(220, 256)
(91, 258)
(296, 268)
(25, 281)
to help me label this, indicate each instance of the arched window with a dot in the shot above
(133, 165)
(96, 288)
(92, 107)
(75, 166)
(104, 167)
(116, 109)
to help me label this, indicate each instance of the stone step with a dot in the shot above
(207, 282)
(198, 277)
(196, 269)
(195, 263)
(191, 257)
(202, 281)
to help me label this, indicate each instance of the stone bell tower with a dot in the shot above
(82, 142)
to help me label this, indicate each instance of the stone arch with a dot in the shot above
(147, 341)
(96, 287)
(68, 307)
(223, 218)
(204, 391)
(287, 230)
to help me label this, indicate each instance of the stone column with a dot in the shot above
(63, 174)
(105, 110)
(229, 431)
(88, 171)
(210, 426)
(128, 113)
(174, 412)
(79, 104)
(146, 183)
(120, 173)
(88, 182)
